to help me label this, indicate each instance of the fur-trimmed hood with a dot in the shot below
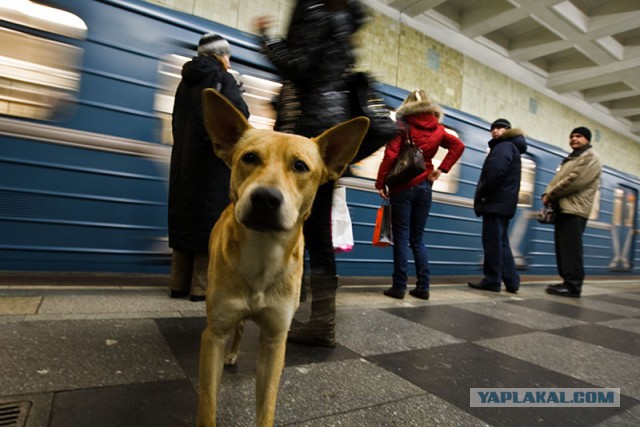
(424, 106)
(514, 135)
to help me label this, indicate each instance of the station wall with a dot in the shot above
(402, 56)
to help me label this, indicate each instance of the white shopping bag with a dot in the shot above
(341, 232)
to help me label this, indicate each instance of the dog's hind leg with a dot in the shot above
(211, 364)
(232, 355)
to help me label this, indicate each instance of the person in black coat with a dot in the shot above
(496, 200)
(198, 179)
(313, 60)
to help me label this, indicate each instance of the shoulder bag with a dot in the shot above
(409, 164)
(365, 101)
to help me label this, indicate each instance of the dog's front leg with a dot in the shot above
(211, 364)
(269, 366)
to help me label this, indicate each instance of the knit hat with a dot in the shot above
(501, 123)
(213, 44)
(582, 131)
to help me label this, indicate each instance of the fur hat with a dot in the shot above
(501, 123)
(582, 131)
(419, 102)
(213, 44)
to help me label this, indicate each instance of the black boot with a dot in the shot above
(320, 330)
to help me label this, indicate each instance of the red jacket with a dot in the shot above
(428, 134)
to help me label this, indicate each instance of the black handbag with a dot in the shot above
(409, 164)
(546, 215)
(365, 101)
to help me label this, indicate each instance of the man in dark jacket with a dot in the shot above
(199, 180)
(313, 60)
(496, 200)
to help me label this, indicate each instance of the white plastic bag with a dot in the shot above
(341, 231)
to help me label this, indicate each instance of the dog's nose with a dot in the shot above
(266, 199)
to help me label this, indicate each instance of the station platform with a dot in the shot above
(121, 355)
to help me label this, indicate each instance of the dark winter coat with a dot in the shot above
(313, 58)
(499, 183)
(422, 120)
(198, 179)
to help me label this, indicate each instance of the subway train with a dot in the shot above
(86, 94)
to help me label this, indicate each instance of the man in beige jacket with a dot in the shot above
(571, 192)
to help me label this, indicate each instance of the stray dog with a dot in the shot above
(256, 247)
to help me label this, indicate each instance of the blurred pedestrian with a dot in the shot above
(198, 179)
(313, 59)
(495, 200)
(572, 192)
(411, 200)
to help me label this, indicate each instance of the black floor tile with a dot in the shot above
(611, 338)
(183, 337)
(460, 323)
(451, 371)
(561, 309)
(156, 404)
(182, 334)
(614, 299)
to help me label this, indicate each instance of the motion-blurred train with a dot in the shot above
(86, 93)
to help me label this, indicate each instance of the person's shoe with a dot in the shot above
(512, 290)
(482, 287)
(394, 293)
(312, 333)
(556, 286)
(562, 291)
(178, 294)
(419, 293)
(197, 298)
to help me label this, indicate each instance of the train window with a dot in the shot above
(257, 93)
(39, 76)
(595, 209)
(527, 183)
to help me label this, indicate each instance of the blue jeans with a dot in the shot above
(409, 212)
(499, 265)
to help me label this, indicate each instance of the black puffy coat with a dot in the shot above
(499, 183)
(314, 57)
(198, 179)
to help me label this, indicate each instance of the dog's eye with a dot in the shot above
(251, 158)
(300, 166)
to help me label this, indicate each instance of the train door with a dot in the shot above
(623, 230)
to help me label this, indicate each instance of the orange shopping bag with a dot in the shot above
(382, 235)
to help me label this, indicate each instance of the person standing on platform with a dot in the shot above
(198, 179)
(572, 192)
(496, 200)
(313, 60)
(411, 200)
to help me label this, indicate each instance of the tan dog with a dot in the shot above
(256, 247)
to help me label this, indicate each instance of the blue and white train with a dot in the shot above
(86, 93)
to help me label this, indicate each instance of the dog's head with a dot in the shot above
(275, 176)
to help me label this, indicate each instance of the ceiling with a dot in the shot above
(582, 53)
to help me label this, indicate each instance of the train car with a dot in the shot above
(85, 138)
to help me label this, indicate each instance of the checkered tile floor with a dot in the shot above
(129, 357)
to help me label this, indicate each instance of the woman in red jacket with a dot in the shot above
(411, 200)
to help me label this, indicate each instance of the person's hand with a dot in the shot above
(384, 193)
(434, 175)
(545, 200)
(262, 23)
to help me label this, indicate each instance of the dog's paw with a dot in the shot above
(230, 359)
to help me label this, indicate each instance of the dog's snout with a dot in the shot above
(266, 199)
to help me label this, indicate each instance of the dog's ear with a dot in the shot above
(224, 123)
(340, 144)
